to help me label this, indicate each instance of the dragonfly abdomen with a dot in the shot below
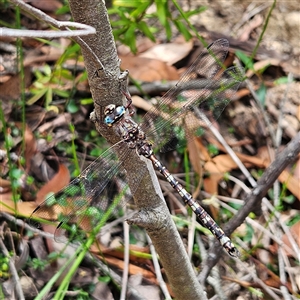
(204, 218)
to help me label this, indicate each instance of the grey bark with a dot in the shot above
(153, 214)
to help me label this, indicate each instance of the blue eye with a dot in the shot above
(108, 120)
(120, 110)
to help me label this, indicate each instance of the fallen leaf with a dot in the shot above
(59, 181)
(198, 154)
(141, 103)
(146, 69)
(170, 53)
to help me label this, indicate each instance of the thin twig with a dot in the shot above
(126, 261)
(264, 29)
(85, 29)
(159, 277)
(22, 224)
(215, 282)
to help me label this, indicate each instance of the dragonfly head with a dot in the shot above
(113, 114)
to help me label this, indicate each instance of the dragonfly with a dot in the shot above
(158, 129)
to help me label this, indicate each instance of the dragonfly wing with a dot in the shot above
(211, 102)
(93, 187)
(165, 119)
(159, 122)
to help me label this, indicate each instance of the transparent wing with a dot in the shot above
(161, 122)
(87, 196)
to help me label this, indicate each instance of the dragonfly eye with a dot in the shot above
(113, 114)
(108, 121)
(120, 110)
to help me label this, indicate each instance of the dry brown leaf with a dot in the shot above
(197, 154)
(119, 252)
(4, 184)
(170, 53)
(141, 103)
(216, 168)
(11, 89)
(23, 209)
(60, 180)
(149, 70)
(142, 45)
(119, 263)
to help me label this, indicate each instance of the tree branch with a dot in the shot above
(153, 213)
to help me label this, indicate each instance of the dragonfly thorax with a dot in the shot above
(113, 114)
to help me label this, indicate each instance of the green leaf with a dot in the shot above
(145, 29)
(249, 233)
(126, 3)
(168, 31)
(86, 101)
(50, 200)
(61, 93)
(161, 11)
(47, 70)
(289, 199)
(63, 10)
(119, 23)
(38, 85)
(281, 80)
(261, 94)
(96, 152)
(293, 220)
(72, 107)
(245, 59)
(105, 279)
(140, 10)
(38, 74)
(37, 96)
(16, 173)
(65, 74)
(195, 11)
(183, 29)
(130, 38)
(49, 96)
(212, 149)
(62, 201)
